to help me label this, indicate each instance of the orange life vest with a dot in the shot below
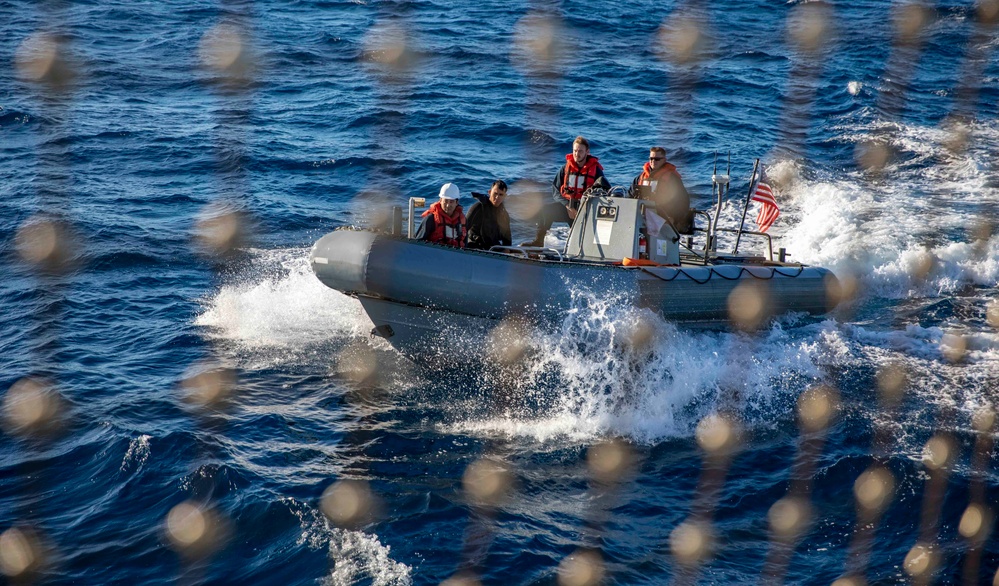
(448, 230)
(576, 179)
(651, 179)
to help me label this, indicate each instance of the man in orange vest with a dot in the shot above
(580, 172)
(660, 182)
(444, 222)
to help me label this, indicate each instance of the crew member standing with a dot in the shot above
(488, 221)
(444, 222)
(580, 172)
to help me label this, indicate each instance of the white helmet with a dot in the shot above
(450, 191)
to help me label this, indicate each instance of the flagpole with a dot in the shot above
(749, 196)
(718, 203)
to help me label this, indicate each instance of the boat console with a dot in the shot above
(611, 228)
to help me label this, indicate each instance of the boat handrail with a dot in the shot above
(709, 243)
(770, 242)
(702, 257)
(525, 250)
(414, 204)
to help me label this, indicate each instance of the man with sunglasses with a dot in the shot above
(656, 170)
(660, 182)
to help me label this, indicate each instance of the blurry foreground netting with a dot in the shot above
(981, 44)
(49, 246)
(24, 555)
(509, 341)
(44, 58)
(389, 44)
(32, 407)
(682, 44)
(488, 483)
(909, 23)
(225, 51)
(207, 385)
(582, 568)
(842, 291)
(874, 489)
(462, 580)
(539, 51)
(792, 516)
(527, 197)
(357, 362)
(750, 306)
(954, 347)
(220, 230)
(538, 43)
(810, 27)
(610, 464)
(692, 542)
(921, 562)
(350, 504)
(684, 39)
(48, 243)
(977, 521)
(196, 530)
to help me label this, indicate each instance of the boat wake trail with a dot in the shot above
(613, 369)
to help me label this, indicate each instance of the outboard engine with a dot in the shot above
(611, 228)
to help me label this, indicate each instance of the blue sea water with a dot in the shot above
(144, 141)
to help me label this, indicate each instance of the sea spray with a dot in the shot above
(587, 379)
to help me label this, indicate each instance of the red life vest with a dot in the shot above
(652, 179)
(448, 230)
(576, 179)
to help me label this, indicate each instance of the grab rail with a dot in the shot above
(526, 249)
(414, 202)
(770, 242)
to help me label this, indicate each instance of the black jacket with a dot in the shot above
(487, 224)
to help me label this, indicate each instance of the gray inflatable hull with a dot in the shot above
(406, 285)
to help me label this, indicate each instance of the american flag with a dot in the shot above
(764, 194)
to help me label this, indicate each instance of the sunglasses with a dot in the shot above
(656, 158)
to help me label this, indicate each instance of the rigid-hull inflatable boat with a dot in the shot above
(616, 247)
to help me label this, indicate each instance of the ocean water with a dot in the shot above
(342, 109)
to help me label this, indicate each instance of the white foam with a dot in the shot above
(359, 556)
(137, 454)
(281, 304)
(582, 383)
(355, 557)
(905, 233)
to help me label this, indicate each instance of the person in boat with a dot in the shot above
(580, 172)
(660, 182)
(488, 221)
(444, 222)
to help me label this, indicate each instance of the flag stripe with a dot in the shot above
(769, 211)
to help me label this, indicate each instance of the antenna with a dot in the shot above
(719, 187)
